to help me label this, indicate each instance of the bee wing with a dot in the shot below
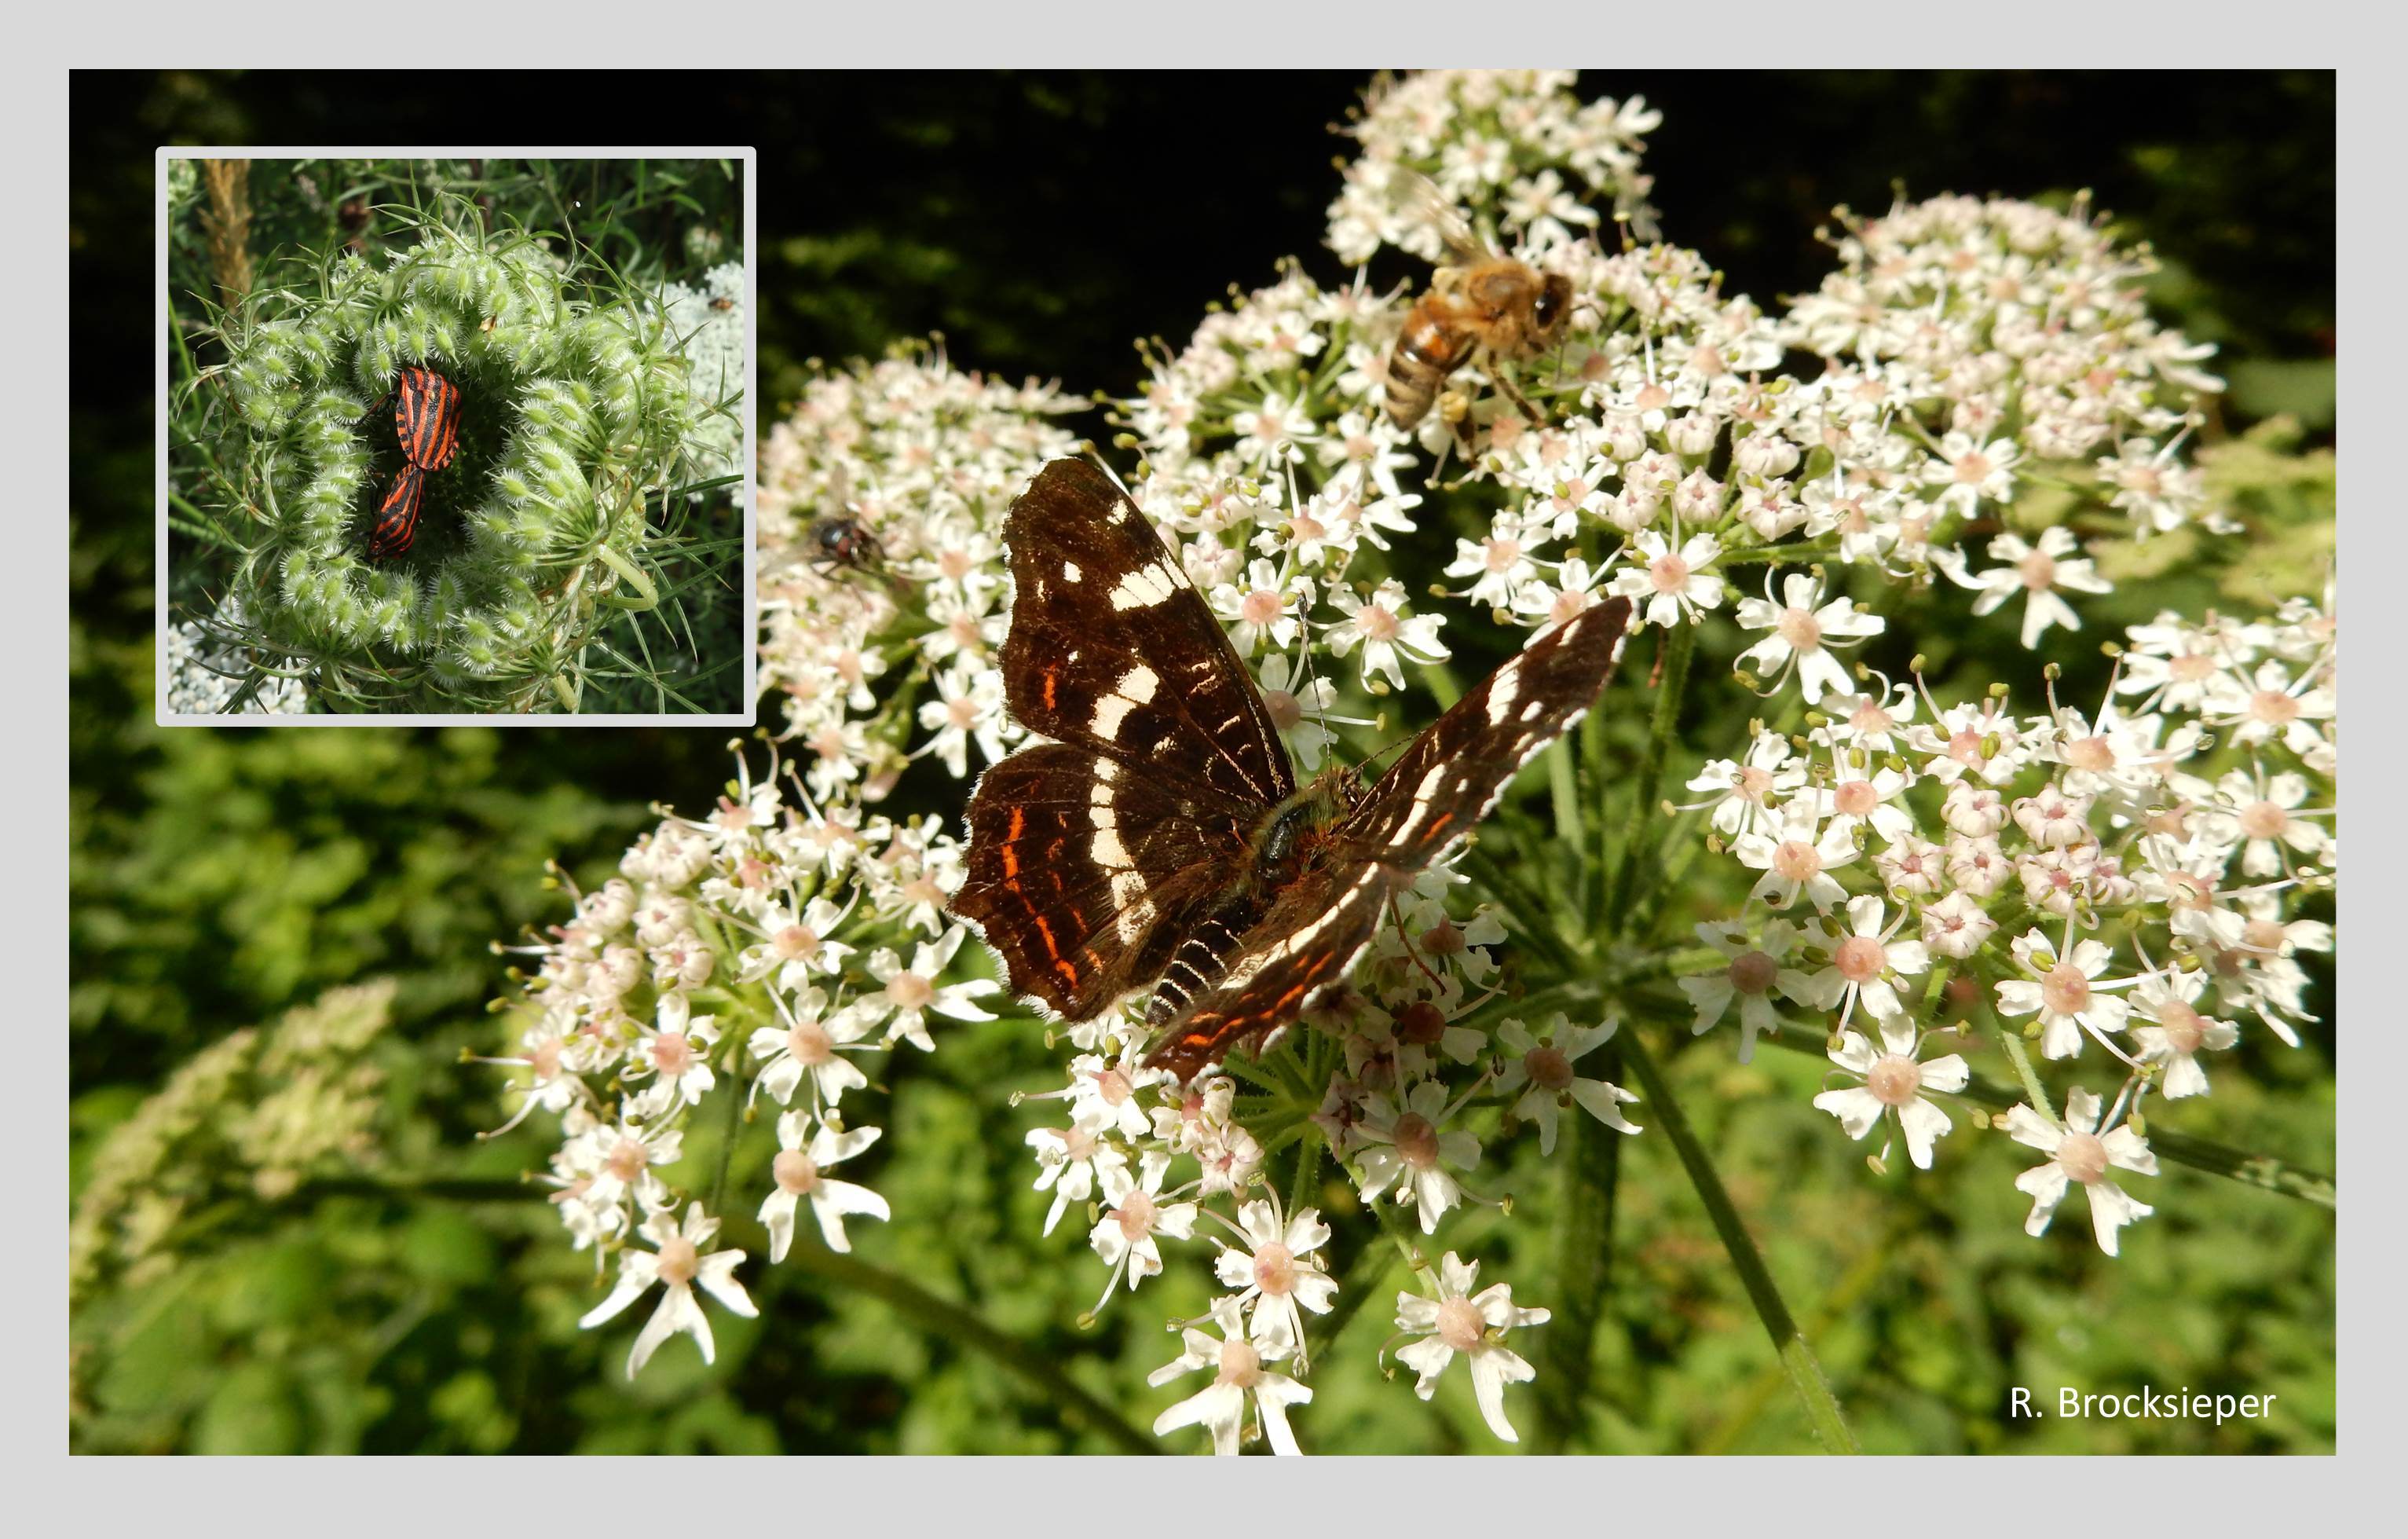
(1421, 197)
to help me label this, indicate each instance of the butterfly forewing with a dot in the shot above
(1447, 778)
(1438, 788)
(1113, 649)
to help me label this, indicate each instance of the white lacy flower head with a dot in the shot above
(1500, 141)
(792, 919)
(881, 511)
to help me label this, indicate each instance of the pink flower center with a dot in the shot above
(1795, 860)
(1860, 959)
(1376, 622)
(1668, 573)
(1973, 468)
(1894, 1080)
(809, 1044)
(1416, 1141)
(2191, 667)
(2095, 755)
(627, 1161)
(954, 564)
(1275, 1270)
(1459, 1324)
(1800, 629)
(2185, 1031)
(679, 1262)
(1240, 1364)
(795, 1172)
(1548, 1068)
(1753, 972)
(2264, 820)
(2038, 570)
(2065, 990)
(1856, 798)
(1262, 607)
(1136, 1216)
(910, 991)
(962, 713)
(2274, 707)
(672, 1055)
(797, 941)
(2082, 1157)
(1111, 1087)
(1503, 554)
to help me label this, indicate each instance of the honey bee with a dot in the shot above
(1477, 302)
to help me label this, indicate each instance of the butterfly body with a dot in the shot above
(1161, 840)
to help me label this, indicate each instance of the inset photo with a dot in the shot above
(448, 437)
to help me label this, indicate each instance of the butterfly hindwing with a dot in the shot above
(1445, 781)
(1084, 875)
(1111, 647)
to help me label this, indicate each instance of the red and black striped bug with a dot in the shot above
(397, 522)
(426, 417)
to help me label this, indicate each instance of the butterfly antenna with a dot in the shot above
(1096, 457)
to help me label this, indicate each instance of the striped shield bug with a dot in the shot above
(396, 521)
(426, 417)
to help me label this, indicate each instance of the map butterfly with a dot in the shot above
(1160, 839)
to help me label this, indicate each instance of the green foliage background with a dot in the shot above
(419, 1299)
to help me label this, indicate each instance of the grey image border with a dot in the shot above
(747, 489)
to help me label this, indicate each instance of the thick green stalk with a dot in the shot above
(1797, 1360)
(1591, 1159)
(1678, 643)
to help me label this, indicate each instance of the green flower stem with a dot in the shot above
(942, 1317)
(1591, 1153)
(733, 1125)
(1678, 643)
(1797, 1360)
(1308, 1166)
(2022, 1061)
(2263, 1172)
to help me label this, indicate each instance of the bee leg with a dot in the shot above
(1521, 400)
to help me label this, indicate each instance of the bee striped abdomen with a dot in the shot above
(397, 522)
(1426, 352)
(426, 417)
